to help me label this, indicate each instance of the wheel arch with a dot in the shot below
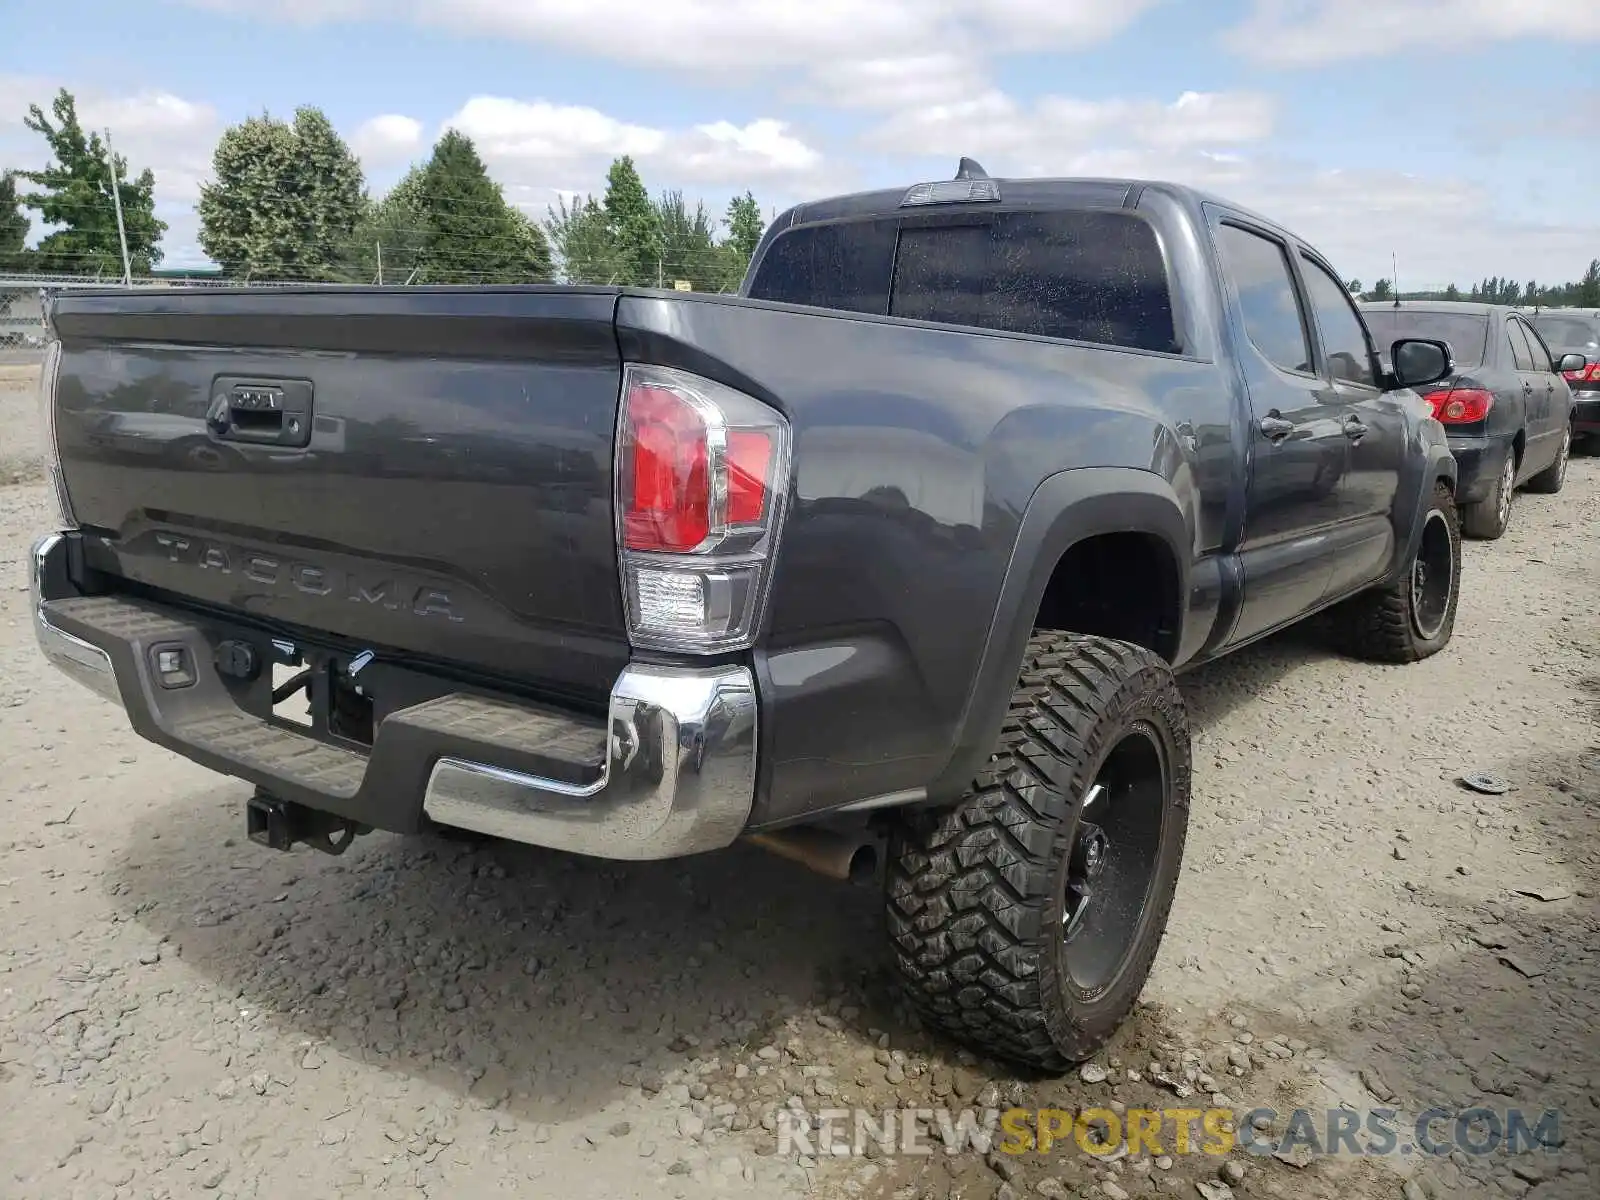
(1068, 512)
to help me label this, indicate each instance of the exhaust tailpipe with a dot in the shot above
(852, 858)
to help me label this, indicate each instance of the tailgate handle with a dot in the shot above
(269, 413)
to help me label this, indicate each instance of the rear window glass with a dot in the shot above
(1090, 275)
(1465, 332)
(1567, 332)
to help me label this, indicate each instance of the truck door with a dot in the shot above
(1373, 423)
(1298, 452)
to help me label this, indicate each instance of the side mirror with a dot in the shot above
(1571, 362)
(1420, 361)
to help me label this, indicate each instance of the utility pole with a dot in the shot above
(380, 262)
(116, 199)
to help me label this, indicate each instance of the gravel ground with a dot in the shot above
(184, 1013)
(19, 423)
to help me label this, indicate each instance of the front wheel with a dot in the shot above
(1413, 617)
(1550, 480)
(1024, 918)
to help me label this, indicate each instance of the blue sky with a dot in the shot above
(1370, 126)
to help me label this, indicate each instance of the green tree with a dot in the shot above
(582, 241)
(471, 235)
(1382, 290)
(388, 242)
(633, 224)
(1353, 287)
(688, 246)
(1452, 292)
(13, 225)
(75, 195)
(285, 201)
(1586, 292)
(745, 226)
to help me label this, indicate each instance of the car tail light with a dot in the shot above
(47, 421)
(702, 475)
(1589, 374)
(1460, 406)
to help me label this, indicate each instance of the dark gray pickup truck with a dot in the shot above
(887, 561)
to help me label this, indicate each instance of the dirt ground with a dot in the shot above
(184, 1013)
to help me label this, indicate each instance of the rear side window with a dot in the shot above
(1089, 275)
(1519, 346)
(1541, 353)
(843, 266)
(1268, 301)
(1343, 339)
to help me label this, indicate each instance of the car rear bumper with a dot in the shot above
(670, 771)
(1586, 412)
(1479, 461)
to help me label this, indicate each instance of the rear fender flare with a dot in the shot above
(1066, 508)
(1414, 501)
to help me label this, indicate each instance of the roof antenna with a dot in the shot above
(969, 169)
(1394, 269)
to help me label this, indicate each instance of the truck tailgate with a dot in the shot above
(427, 471)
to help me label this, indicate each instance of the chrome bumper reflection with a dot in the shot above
(679, 777)
(76, 658)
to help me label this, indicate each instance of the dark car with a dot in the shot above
(1507, 408)
(892, 557)
(1577, 331)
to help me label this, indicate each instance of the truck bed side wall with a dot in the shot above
(917, 452)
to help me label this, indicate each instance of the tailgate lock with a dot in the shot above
(266, 412)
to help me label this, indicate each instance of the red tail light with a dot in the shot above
(1589, 374)
(701, 474)
(669, 498)
(1460, 406)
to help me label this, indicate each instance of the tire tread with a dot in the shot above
(969, 885)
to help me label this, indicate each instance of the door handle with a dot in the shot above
(1275, 428)
(1354, 429)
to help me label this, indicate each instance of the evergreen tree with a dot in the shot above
(471, 235)
(745, 226)
(1587, 290)
(13, 225)
(582, 240)
(633, 224)
(387, 244)
(75, 194)
(688, 250)
(285, 200)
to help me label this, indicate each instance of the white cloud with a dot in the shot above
(1036, 134)
(747, 35)
(539, 145)
(727, 153)
(1307, 32)
(895, 82)
(386, 140)
(1441, 229)
(538, 131)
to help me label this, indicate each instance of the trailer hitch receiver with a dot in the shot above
(278, 824)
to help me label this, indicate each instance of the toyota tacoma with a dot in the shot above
(886, 563)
